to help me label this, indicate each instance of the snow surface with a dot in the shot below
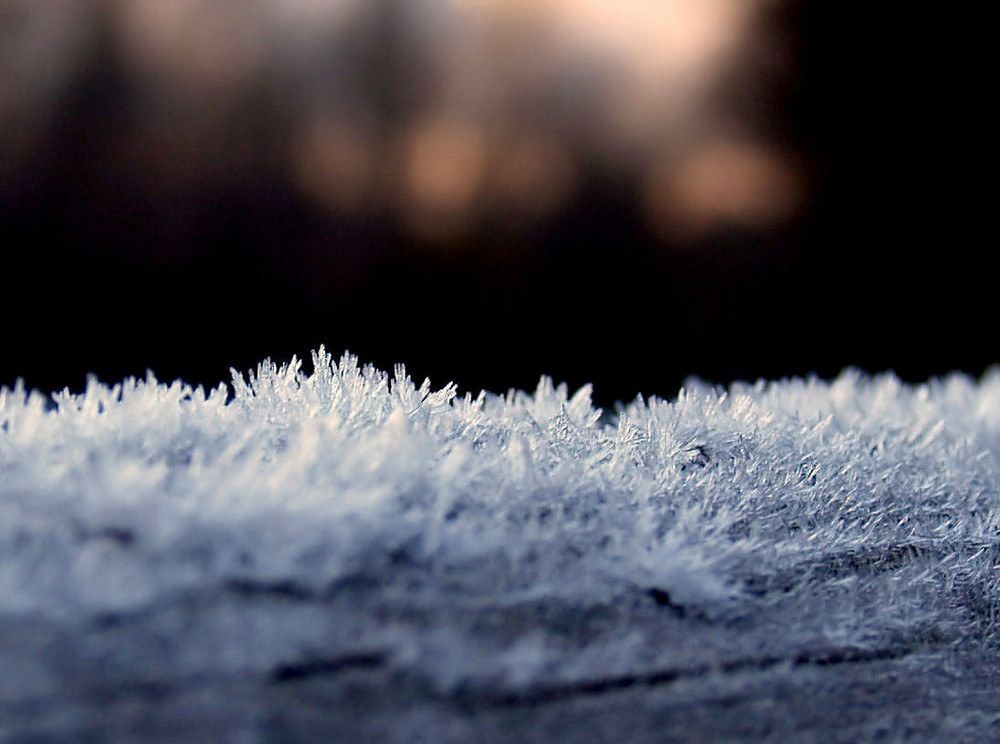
(492, 545)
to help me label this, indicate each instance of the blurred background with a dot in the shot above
(624, 192)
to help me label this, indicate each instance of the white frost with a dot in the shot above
(125, 496)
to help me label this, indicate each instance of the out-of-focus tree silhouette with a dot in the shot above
(485, 189)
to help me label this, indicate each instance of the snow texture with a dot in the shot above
(344, 555)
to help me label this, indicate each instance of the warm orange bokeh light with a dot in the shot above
(723, 183)
(443, 166)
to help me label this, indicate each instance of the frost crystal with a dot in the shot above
(490, 548)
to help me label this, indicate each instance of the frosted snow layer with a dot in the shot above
(491, 551)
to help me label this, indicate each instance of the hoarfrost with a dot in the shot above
(503, 540)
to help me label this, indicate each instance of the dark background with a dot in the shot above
(162, 210)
